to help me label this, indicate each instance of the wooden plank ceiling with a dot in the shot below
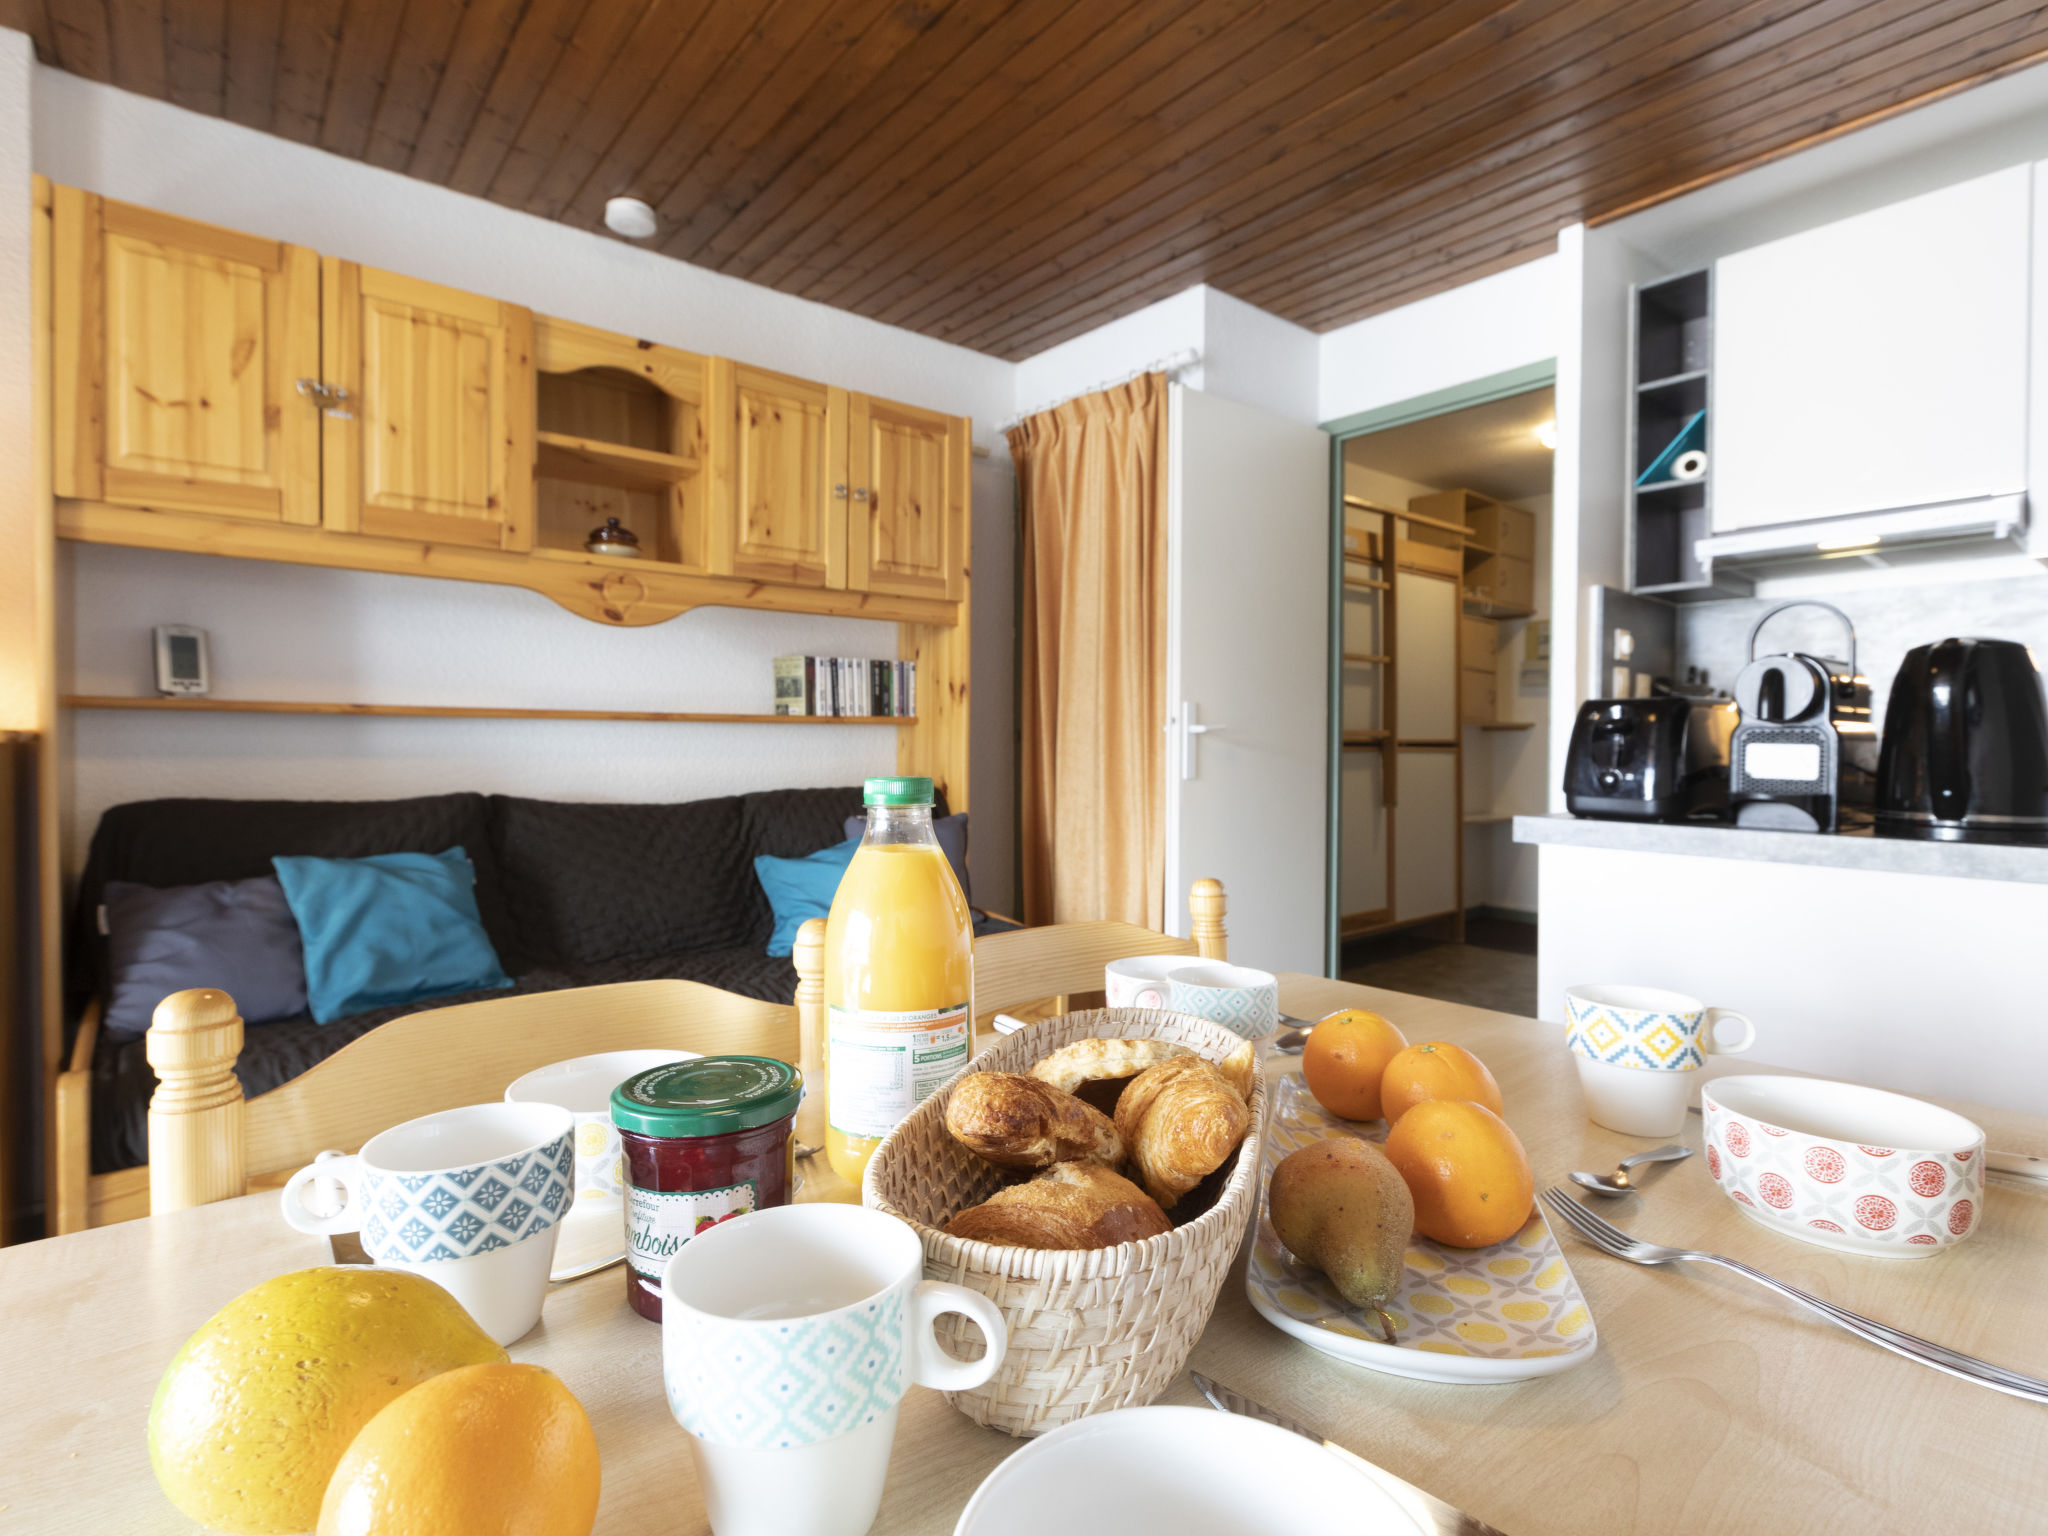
(1008, 173)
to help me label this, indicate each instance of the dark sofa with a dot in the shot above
(572, 895)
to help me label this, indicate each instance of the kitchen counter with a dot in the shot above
(1913, 966)
(1846, 850)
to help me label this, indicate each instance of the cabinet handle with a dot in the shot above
(839, 493)
(328, 397)
(860, 493)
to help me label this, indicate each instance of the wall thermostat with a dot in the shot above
(181, 660)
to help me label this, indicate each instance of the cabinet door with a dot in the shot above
(906, 528)
(177, 351)
(1426, 834)
(1426, 616)
(779, 466)
(435, 438)
(1873, 363)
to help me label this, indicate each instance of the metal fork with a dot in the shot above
(1611, 1240)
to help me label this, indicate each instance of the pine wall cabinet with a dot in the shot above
(205, 378)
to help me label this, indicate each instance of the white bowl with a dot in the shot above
(1848, 1167)
(1188, 1471)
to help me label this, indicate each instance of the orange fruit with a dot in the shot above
(1346, 1055)
(1438, 1070)
(1465, 1169)
(504, 1449)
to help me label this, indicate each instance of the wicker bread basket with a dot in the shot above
(1090, 1329)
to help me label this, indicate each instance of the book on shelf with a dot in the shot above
(845, 687)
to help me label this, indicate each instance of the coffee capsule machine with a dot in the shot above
(1799, 753)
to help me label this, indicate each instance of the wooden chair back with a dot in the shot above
(206, 1144)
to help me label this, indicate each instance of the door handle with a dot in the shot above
(1190, 728)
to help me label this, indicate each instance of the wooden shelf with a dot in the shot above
(1488, 818)
(1504, 725)
(1365, 738)
(565, 457)
(461, 712)
(1367, 582)
(1365, 658)
(1670, 381)
(1444, 524)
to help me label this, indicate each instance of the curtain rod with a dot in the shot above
(1171, 364)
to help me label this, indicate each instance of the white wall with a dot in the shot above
(309, 634)
(1505, 321)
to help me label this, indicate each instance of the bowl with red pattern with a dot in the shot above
(1848, 1167)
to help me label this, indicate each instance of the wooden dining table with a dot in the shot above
(1709, 1405)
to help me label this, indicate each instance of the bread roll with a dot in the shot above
(1180, 1120)
(1016, 1121)
(1072, 1205)
(1094, 1061)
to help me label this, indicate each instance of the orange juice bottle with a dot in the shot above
(899, 956)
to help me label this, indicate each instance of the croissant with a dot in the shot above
(1018, 1122)
(1071, 1205)
(1180, 1119)
(1093, 1061)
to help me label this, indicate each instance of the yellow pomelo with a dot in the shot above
(262, 1401)
(488, 1450)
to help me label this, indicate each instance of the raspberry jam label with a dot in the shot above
(881, 1066)
(658, 1222)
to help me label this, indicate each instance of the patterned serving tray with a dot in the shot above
(1506, 1313)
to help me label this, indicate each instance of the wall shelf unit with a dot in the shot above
(456, 711)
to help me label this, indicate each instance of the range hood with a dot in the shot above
(1946, 530)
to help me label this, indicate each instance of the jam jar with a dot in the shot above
(703, 1141)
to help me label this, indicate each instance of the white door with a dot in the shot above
(1248, 625)
(1874, 363)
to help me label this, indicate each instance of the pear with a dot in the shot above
(1342, 1208)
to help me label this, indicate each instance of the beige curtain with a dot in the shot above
(1093, 478)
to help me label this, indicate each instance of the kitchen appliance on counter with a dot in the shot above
(1802, 750)
(1965, 753)
(1663, 758)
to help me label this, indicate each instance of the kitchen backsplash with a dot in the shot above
(1889, 621)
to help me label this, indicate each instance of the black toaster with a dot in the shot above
(1655, 759)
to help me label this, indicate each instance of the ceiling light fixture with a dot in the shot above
(630, 217)
(1547, 435)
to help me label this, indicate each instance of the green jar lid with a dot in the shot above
(709, 1096)
(897, 792)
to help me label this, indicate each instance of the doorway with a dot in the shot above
(1440, 652)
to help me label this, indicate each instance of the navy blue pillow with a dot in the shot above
(951, 831)
(392, 928)
(237, 935)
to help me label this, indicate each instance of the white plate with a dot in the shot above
(1188, 1471)
(1506, 1313)
(591, 1234)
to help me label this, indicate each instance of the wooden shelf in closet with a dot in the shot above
(1366, 738)
(563, 455)
(1367, 582)
(460, 712)
(1505, 725)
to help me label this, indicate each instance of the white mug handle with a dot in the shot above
(334, 1167)
(931, 1366)
(1716, 1017)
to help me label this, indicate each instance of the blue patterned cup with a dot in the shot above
(789, 1337)
(468, 1197)
(1649, 1029)
(1242, 1000)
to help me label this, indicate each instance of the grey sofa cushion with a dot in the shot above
(235, 934)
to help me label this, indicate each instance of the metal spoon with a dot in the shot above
(1617, 1182)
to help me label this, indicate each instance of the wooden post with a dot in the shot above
(196, 1149)
(1205, 909)
(809, 955)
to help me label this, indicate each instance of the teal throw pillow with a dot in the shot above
(801, 889)
(389, 929)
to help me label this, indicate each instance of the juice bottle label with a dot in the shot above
(658, 1221)
(883, 1065)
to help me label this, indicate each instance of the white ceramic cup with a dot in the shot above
(470, 1198)
(788, 1338)
(1637, 1048)
(1139, 981)
(1242, 1000)
(583, 1085)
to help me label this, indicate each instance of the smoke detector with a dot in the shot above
(630, 217)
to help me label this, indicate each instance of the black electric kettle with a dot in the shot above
(1965, 752)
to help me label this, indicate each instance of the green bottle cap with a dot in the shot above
(897, 792)
(708, 1096)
